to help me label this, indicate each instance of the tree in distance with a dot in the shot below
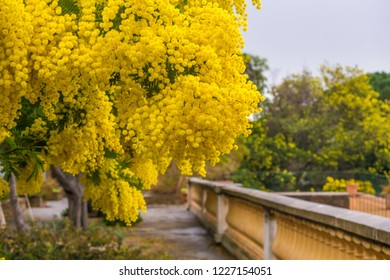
(334, 122)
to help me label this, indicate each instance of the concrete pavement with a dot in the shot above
(184, 236)
(53, 209)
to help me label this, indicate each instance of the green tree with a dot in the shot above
(334, 122)
(280, 140)
(380, 82)
(255, 69)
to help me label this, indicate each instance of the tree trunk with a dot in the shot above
(3, 222)
(77, 210)
(17, 213)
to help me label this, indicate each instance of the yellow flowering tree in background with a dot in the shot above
(117, 89)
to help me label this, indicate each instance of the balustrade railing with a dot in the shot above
(253, 224)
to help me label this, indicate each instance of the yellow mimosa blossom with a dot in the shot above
(26, 183)
(4, 189)
(152, 80)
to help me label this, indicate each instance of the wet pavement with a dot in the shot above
(183, 235)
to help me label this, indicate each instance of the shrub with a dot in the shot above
(385, 190)
(58, 240)
(340, 185)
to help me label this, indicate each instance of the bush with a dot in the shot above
(340, 185)
(276, 181)
(58, 240)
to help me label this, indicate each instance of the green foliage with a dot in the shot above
(380, 81)
(69, 7)
(335, 122)
(15, 153)
(263, 163)
(18, 150)
(255, 68)
(58, 240)
(340, 185)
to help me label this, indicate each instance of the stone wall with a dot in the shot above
(253, 224)
(338, 199)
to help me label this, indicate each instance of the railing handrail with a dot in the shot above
(375, 228)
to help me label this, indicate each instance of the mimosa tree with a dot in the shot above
(117, 89)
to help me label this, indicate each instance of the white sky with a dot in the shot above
(303, 34)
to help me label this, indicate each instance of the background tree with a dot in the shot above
(335, 122)
(255, 68)
(118, 89)
(380, 82)
(279, 142)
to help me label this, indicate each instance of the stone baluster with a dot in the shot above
(269, 234)
(204, 199)
(222, 209)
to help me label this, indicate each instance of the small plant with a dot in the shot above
(340, 185)
(385, 190)
(65, 213)
(184, 192)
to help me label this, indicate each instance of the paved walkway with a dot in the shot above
(53, 209)
(184, 236)
(177, 229)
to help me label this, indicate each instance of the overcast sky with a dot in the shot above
(303, 34)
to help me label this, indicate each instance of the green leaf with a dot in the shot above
(38, 166)
(69, 7)
(94, 177)
(110, 154)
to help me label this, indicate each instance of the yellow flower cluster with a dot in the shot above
(4, 189)
(145, 171)
(38, 129)
(15, 37)
(114, 196)
(154, 80)
(196, 124)
(26, 183)
(235, 7)
(90, 129)
(340, 185)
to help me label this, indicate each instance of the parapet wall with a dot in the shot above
(338, 199)
(253, 224)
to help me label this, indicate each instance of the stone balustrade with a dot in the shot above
(253, 224)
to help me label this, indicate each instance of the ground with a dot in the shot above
(170, 226)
